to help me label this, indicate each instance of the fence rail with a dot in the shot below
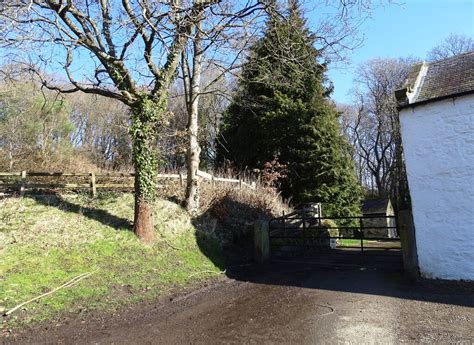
(108, 180)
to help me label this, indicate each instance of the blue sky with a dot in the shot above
(402, 29)
(409, 29)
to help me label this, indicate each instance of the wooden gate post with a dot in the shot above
(23, 183)
(93, 185)
(261, 241)
(305, 235)
(361, 232)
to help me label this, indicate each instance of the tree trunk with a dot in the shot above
(192, 160)
(143, 220)
(10, 157)
(194, 151)
(192, 188)
(146, 116)
(145, 191)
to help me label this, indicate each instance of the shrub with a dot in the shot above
(332, 227)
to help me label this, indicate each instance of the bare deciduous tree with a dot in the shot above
(335, 34)
(213, 100)
(100, 130)
(192, 88)
(452, 45)
(228, 41)
(372, 125)
(128, 50)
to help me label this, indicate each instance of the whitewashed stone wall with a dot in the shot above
(438, 141)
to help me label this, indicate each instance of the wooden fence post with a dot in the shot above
(180, 179)
(23, 183)
(240, 182)
(261, 241)
(93, 185)
(305, 235)
(361, 229)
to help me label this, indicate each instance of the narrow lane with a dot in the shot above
(285, 305)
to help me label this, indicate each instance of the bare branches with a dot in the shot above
(97, 41)
(372, 125)
(339, 23)
(147, 39)
(127, 46)
(106, 26)
(451, 46)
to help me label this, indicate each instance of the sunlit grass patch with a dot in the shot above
(50, 240)
(347, 242)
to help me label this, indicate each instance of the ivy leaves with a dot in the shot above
(148, 113)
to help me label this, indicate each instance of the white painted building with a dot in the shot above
(437, 125)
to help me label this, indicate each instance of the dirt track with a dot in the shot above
(286, 304)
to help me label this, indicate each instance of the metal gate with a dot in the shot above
(355, 241)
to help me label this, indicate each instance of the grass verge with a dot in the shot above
(347, 242)
(47, 240)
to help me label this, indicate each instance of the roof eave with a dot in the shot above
(404, 105)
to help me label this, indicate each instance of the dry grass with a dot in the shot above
(227, 213)
(264, 199)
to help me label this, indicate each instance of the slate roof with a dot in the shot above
(411, 79)
(375, 206)
(445, 78)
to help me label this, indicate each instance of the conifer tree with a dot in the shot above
(281, 108)
(323, 169)
(278, 81)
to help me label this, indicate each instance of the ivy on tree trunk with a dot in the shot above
(147, 114)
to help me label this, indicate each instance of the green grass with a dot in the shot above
(368, 243)
(346, 242)
(46, 241)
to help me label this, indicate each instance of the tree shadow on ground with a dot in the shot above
(231, 249)
(97, 214)
(224, 232)
(382, 282)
